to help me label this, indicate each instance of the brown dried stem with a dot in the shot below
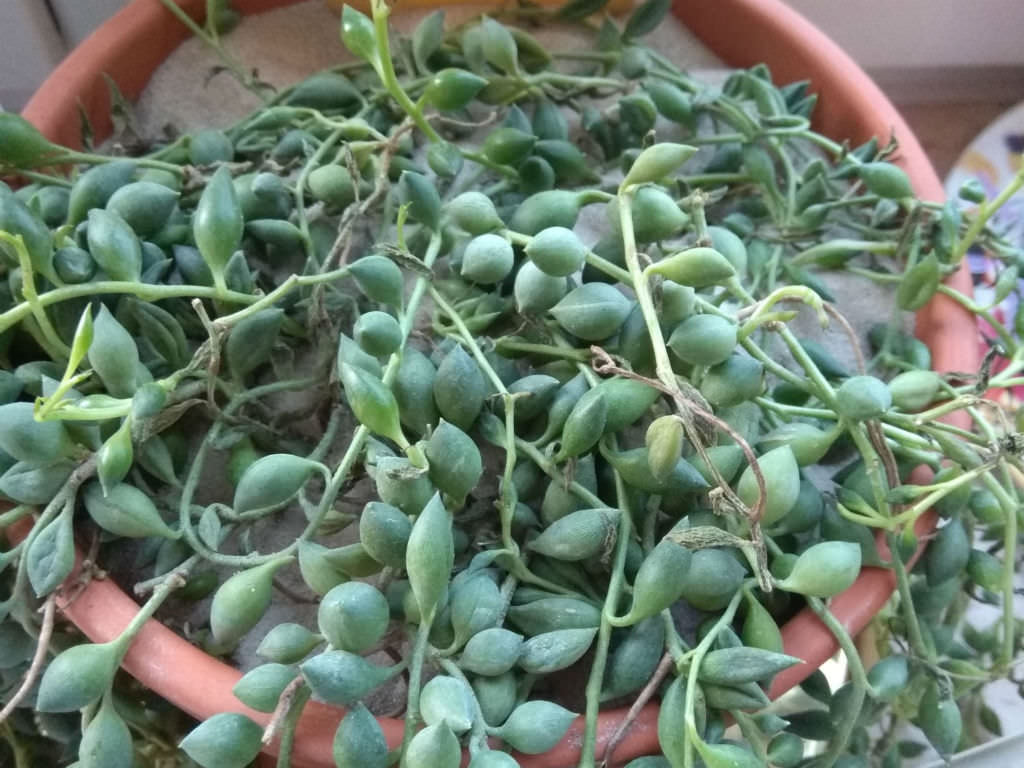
(858, 354)
(660, 672)
(38, 659)
(284, 704)
(687, 408)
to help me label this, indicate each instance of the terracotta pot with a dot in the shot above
(136, 41)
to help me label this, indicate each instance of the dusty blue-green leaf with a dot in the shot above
(227, 740)
(646, 18)
(51, 556)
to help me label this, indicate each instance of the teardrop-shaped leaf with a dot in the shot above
(271, 480)
(342, 678)
(227, 740)
(732, 666)
(646, 18)
(493, 651)
(51, 555)
(452, 89)
(459, 388)
(592, 312)
(217, 223)
(114, 246)
(580, 535)
(448, 701)
(125, 511)
(113, 355)
(430, 555)
(379, 278)
(357, 33)
(426, 39)
(359, 741)
(240, 602)
(782, 483)
(455, 461)
(536, 726)
(77, 677)
(28, 483)
(372, 402)
(919, 284)
(23, 146)
(552, 651)
(499, 46)
(420, 194)
(251, 341)
(115, 457)
(695, 267)
(353, 616)
(106, 740)
(660, 580)
(261, 686)
(25, 439)
(824, 570)
(287, 643)
(434, 747)
(657, 162)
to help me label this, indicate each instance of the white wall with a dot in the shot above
(891, 34)
(29, 48)
(77, 18)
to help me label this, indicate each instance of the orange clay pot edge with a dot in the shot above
(742, 32)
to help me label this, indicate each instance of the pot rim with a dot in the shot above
(743, 33)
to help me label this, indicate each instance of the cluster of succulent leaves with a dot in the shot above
(578, 438)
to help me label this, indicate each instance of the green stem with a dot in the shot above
(826, 143)
(506, 344)
(300, 188)
(695, 657)
(910, 514)
(11, 516)
(482, 159)
(873, 467)
(362, 433)
(195, 472)
(214, 44)
(152, 293)
(599, 263)
(829, 247)
(878, 277)
(291, 723)
(553, 472)
(507, 506)
(478, 734)
(88, 158)
(604, 634)
(858, 679)
(662, 363)
(386, 70)
(174, 580)
(412, 707)
(63, 503)
(604, 58)
(45, 178)
(469, 340)
(981, 217)
(1009, 343)
(950, 406)
(22, 756)
(709, 179)
(914, 635)
(28, 290)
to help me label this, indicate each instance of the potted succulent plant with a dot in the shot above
(583, 433)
